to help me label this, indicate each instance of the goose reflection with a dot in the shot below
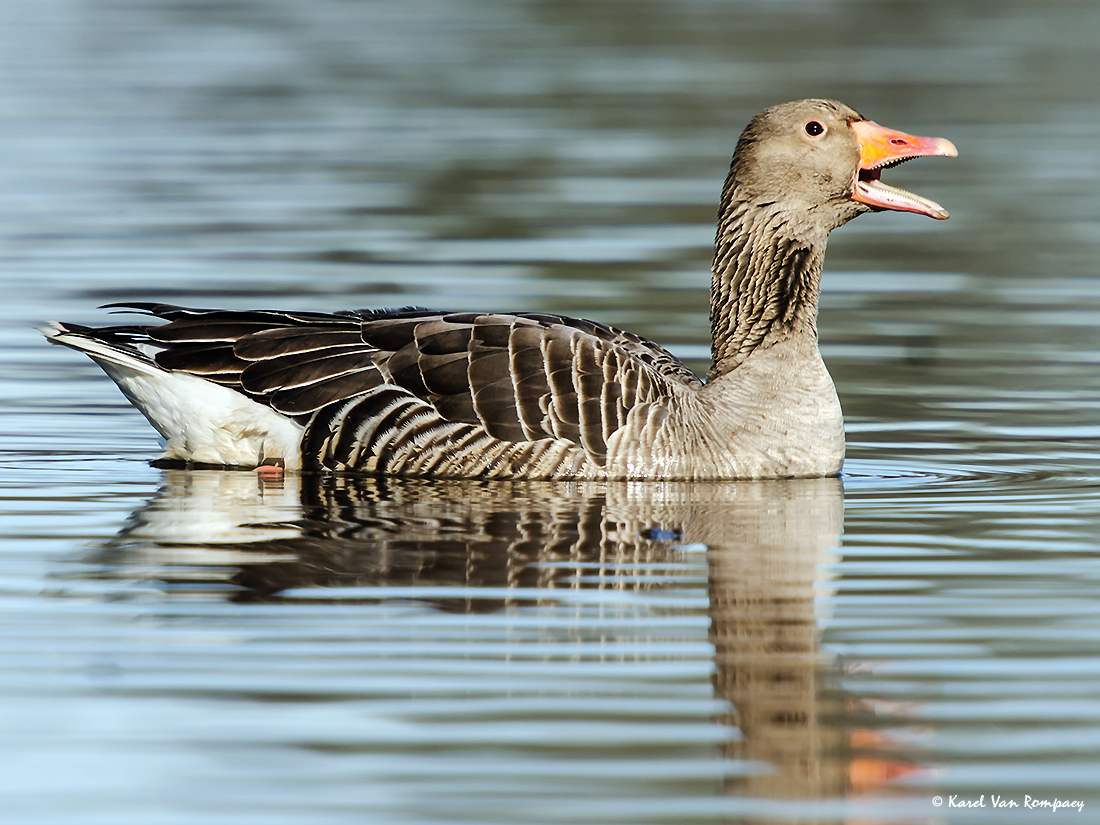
(767, 545)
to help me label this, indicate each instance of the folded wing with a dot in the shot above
(373, 387)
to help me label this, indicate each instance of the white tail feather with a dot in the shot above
(200, 421)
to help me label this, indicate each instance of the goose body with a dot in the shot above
(463, 394)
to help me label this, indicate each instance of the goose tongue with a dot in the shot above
(880, 148)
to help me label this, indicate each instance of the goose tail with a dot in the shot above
(201, 422)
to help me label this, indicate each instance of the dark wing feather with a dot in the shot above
(563, 417)
(309, 398)
(214, 361)
(272, 343)
(302, 369)
(492, 381)
(405, 371)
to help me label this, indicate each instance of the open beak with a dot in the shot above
(881, 148)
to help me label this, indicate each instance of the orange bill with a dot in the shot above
(881, 148)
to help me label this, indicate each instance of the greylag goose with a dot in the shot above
(532, 395)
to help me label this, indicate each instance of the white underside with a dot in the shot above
(199, 421)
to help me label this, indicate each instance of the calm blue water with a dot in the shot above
(184, 647)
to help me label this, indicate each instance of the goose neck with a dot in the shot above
(765, 282)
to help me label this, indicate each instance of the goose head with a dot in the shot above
(821, 162)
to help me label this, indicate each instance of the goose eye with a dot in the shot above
(813, 128)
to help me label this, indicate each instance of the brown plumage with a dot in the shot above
(528, 395)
